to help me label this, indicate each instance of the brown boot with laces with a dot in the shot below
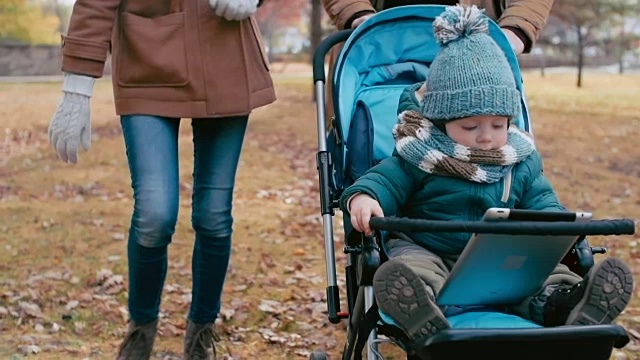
(138, 343)
(199, 342)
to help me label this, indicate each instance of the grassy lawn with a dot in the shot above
(62, 227)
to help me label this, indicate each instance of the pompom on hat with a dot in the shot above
(470, 75)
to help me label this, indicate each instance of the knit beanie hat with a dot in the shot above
(470, 75)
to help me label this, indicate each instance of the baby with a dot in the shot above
(455, 157)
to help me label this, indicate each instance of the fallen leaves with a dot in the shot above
(274, 302)
(29, 349)
(108, 283)
(16, 142)
(72, 305)
(269, 306)
(40, 306)
(29, 309)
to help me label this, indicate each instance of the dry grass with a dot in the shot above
(60, 224)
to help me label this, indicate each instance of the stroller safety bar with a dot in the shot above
(593, 227)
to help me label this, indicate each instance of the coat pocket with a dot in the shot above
(152, 51)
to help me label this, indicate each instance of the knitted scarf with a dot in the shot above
(422, 144)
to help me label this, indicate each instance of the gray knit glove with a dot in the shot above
(71, 123)
(234, 10)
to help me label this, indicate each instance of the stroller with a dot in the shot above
(374, 67)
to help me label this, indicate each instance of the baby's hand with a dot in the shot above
(362, 208)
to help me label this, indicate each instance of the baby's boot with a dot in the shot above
(402, 295)
(598, 299)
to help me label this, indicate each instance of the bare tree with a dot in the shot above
(63, 19)
(316, 24)
(275, 15)
(624, 19)
(583, 17)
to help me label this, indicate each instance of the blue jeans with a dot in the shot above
(152, 151)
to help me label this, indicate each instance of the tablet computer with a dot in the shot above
(499, 269)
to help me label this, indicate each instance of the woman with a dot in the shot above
(171, 60)
(521, 20)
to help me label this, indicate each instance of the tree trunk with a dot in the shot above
(580, 55)
(316, 25)
(621, 50)
(62, 21)
(621, 64)
(269, 40)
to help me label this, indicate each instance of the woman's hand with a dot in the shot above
(362, 208)
(360, 20)
(514, 40)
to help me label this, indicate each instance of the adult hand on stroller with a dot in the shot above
(234, 10)
(360, 20)
(71, 123)
(516, 44)
(362, 208)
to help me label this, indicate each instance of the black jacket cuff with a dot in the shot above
(523, 37)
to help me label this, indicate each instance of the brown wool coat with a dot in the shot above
(171, 58)
(530, 16)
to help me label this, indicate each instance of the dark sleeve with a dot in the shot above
(340, 11)
(350, 21)
(522, 36)
(529, 16)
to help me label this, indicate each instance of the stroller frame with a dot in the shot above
(365, 254)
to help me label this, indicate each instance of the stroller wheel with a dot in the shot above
(318, 355)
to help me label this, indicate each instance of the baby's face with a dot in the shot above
(485, 132)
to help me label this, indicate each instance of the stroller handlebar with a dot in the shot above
(593, 227)
(322, 50)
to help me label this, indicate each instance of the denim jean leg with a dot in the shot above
(217, 147)
(152, 152)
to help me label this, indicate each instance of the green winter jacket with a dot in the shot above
(403, 190)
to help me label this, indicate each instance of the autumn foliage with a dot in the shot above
(275, 16)
(24, 21)
(282, 12)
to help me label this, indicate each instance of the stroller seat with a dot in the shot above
(499, 336)
(379, 59)
(480, 318)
